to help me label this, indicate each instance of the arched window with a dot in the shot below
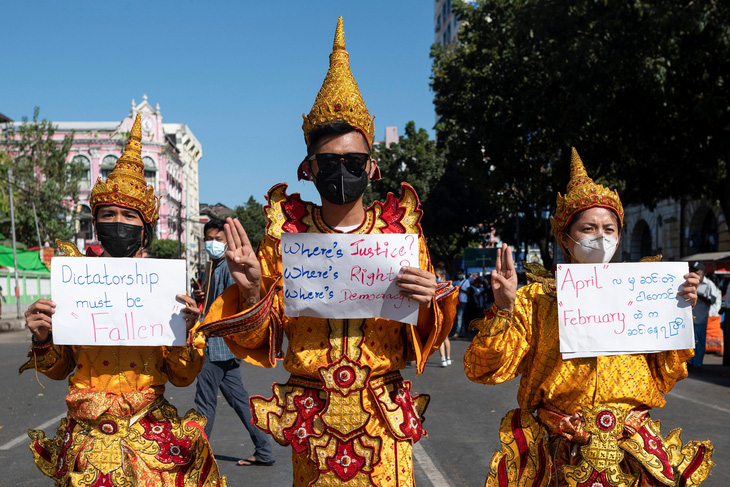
(107, 165)
(150, 170)
(86, 230)
(85, 181)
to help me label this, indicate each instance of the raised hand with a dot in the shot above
(504, 280)
(191, 313)
(689, 288)
(38, 318)
(242, 261)
(417, 284)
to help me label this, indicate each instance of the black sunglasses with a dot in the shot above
(355, 162)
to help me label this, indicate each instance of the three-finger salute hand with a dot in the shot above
(241, 258)
(504, 279)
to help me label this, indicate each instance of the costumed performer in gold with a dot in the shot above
(120, 430)
(346, 411)
(592, 425)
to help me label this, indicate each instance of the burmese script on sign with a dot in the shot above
(610, 309)
(117, 301)
(347, 276)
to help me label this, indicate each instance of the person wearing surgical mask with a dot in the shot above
(222, 369)
(591, 237)
(558, 397)
(349, 365)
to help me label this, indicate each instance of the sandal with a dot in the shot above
(251, 461)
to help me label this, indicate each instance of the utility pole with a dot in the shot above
(179, 230)
(38, 233)
(15, 248)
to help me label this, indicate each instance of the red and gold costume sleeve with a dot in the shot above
(53, 361)
(182, 364)
(526, 343)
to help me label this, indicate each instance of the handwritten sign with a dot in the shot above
(117, 301)
(347, 276)
(611, 309)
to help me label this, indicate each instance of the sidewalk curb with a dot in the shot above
(12, 324)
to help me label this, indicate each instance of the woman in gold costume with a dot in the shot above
(583, 421)
(120, 430)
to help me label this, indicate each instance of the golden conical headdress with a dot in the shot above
(126, 186)
(339, 98)
(582, 193)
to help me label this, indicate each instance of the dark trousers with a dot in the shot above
(226, 375)
(700, 341)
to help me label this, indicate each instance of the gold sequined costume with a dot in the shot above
(592, 426)
(120, 430)
(346, 411)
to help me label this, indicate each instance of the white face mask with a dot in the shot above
(594, 250)
(215, 249)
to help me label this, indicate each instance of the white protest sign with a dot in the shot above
(347, 276)
(610, 309)
(117, 301)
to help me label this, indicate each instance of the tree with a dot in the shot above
(42, 178)
(414, 159)
(421, 163)
(637, 88)
(251, 216)
(163, 249)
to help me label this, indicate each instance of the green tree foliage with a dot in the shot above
(163, 249)
(42, 177)
(637, 87)
(251, 216)
(421, 163)
(414, 159)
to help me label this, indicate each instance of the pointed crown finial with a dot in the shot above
(582, 193)
(126, 185)
(339, 98)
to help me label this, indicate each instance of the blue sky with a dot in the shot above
(238, 73)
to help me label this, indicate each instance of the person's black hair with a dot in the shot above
(215, 223)
(338, 127)
(149, 233)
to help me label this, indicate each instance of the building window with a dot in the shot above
(85, 181)
(86, 230)
(107, 165)
(150, 170)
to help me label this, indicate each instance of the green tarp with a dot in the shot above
(27, 260)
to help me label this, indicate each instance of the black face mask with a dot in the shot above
(341, 186)
(119, 239)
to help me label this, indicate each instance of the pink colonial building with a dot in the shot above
(170, 153)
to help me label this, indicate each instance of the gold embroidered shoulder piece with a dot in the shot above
(69, 249)
(652, 258)
(537, 273)
(290, 214)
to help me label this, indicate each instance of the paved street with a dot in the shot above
(462, 420)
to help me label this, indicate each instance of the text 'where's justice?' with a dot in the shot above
(117, 301)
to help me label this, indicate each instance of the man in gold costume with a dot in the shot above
(346, 412)
(120, 430)
(592, 425)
